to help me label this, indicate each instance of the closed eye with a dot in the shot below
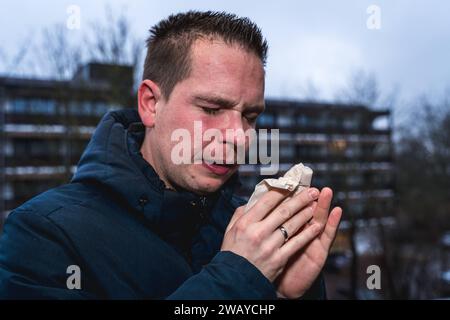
(210, 111)
(251, 118)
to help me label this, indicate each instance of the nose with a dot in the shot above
(235, 130)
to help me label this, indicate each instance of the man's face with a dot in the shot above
(225, 90)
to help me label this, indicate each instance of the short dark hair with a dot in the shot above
(168, 47)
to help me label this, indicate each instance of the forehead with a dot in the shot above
(226, 69)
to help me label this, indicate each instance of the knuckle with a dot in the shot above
(284, 212)
(266, 251)
(314, 230)
(255, 237)
(308, 212)
(239, 210)
(241, 227)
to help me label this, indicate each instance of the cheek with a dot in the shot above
(222, 121)
(170, 120)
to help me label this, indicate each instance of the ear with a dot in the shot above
(149, 95)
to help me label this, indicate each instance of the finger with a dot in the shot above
(300, 241)
(323, 206)
(289, 208)
(292, 226)
(266, 204)
(237, 214)
(329, 234)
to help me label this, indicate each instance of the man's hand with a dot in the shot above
(256, 234)
(305, 265)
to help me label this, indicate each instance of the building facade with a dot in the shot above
(46, 124)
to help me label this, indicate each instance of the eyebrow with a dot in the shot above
(226, 103)
(219, 101)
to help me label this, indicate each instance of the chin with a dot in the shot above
(205, 185)
(202, 182)
(208, 185)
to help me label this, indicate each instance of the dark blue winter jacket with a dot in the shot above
(130, 237)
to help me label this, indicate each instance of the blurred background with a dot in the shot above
(360, 91)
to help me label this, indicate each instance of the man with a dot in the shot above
(133, 224)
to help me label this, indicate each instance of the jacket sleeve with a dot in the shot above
(230, 276)
(227, 276)
(33, 260)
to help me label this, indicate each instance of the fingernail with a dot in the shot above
(314, 193)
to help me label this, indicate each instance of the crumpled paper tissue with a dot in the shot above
(295, 180)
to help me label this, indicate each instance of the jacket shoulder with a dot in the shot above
(56, 199)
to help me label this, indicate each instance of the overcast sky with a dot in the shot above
(322, 42)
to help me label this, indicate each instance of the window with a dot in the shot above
(381, 150)
(312, 151)
(381, 123)
(354, 180)
(27, 189)
(353, 151)
(75, 108)
(8, 192)
(19, 105)
(285, 120)
(350, 123)
(287, 151)
(36, 148)
(87, 108)
(303, 120)
(321, 122)
(42, 106)
(358, 207)
(338, 147)
(8, 148)
(8, 106)
(319, 180)
(266, 120)
(100, 108)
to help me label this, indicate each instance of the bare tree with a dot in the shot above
(57, 52)
(62, 55)
(19, 63)
(112, 41)
(423, 188)
(310, 91)
(362, 88)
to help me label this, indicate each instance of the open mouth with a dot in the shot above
(219, 169)
(224, 164)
